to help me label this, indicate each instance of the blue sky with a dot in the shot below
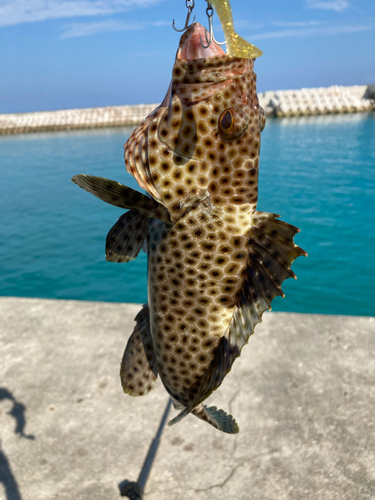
(58, 54)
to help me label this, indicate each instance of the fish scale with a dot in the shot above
(215, 263)
(195, 276)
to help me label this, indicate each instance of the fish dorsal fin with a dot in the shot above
(271, 254)
(136, 153)
(138, 367)
(218, 418)
(125, 239)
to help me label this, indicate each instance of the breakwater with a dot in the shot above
(302, 102)
(74, 119)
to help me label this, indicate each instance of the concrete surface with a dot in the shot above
(302, 393)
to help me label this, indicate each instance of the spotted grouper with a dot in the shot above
(215, 263)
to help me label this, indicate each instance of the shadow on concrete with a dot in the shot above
(6, 475)
(134, 490)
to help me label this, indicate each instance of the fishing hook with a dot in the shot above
(210, 13)
(190, 4)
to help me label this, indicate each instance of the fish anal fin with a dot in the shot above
(138, 367)
(181, 415)
(218, 418)
(271, 254)
(211, 379)
(125, 239)
(209, 382)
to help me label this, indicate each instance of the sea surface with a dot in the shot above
(318, 173)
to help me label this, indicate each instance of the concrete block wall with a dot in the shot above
(359, 98)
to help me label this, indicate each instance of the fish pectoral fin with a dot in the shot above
(271, 254)
(218, 418)
(138, 367)
(116, 194)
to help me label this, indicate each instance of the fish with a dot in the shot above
(215, 262)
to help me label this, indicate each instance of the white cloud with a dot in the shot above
(336, 5)
(106, 26)
(27, 11)
(298, 24)
(311, 32)
(86, 29)
(161, 23)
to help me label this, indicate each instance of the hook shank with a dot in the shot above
(210, 13)
(190, 4)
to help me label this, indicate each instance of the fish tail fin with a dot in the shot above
(218, 418)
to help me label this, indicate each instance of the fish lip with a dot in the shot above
(190, 47)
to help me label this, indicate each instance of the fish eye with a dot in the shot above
(232, 123)
(226, 120)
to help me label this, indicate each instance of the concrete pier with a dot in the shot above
(302, 102)
(302, 392)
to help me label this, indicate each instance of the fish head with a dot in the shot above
(204, 140)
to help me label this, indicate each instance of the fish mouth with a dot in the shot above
(191, 46)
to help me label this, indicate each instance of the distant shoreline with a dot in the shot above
(282, 103)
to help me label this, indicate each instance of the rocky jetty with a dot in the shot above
(320, 101)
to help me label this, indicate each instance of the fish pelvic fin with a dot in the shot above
(126, 238)
(271, 254)
(217, 418)
(138, 370)
(117, 194)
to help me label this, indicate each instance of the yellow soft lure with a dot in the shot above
(236, 45)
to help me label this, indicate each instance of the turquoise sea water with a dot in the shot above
(317, 173)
